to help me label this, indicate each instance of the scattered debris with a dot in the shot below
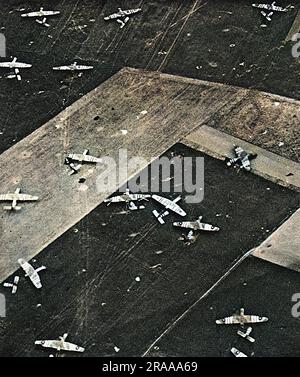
(143, 113)
(237, 353)
(155, 267)
(188, 239)
(213, 64)
(136, 280)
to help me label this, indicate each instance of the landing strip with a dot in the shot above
(98, 121)
(283, 246)
(268, 165)
(144, 112)
(88, 287)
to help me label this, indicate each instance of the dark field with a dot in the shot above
(92, 266)
(188, 38)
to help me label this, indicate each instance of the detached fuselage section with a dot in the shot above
(237, 353)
